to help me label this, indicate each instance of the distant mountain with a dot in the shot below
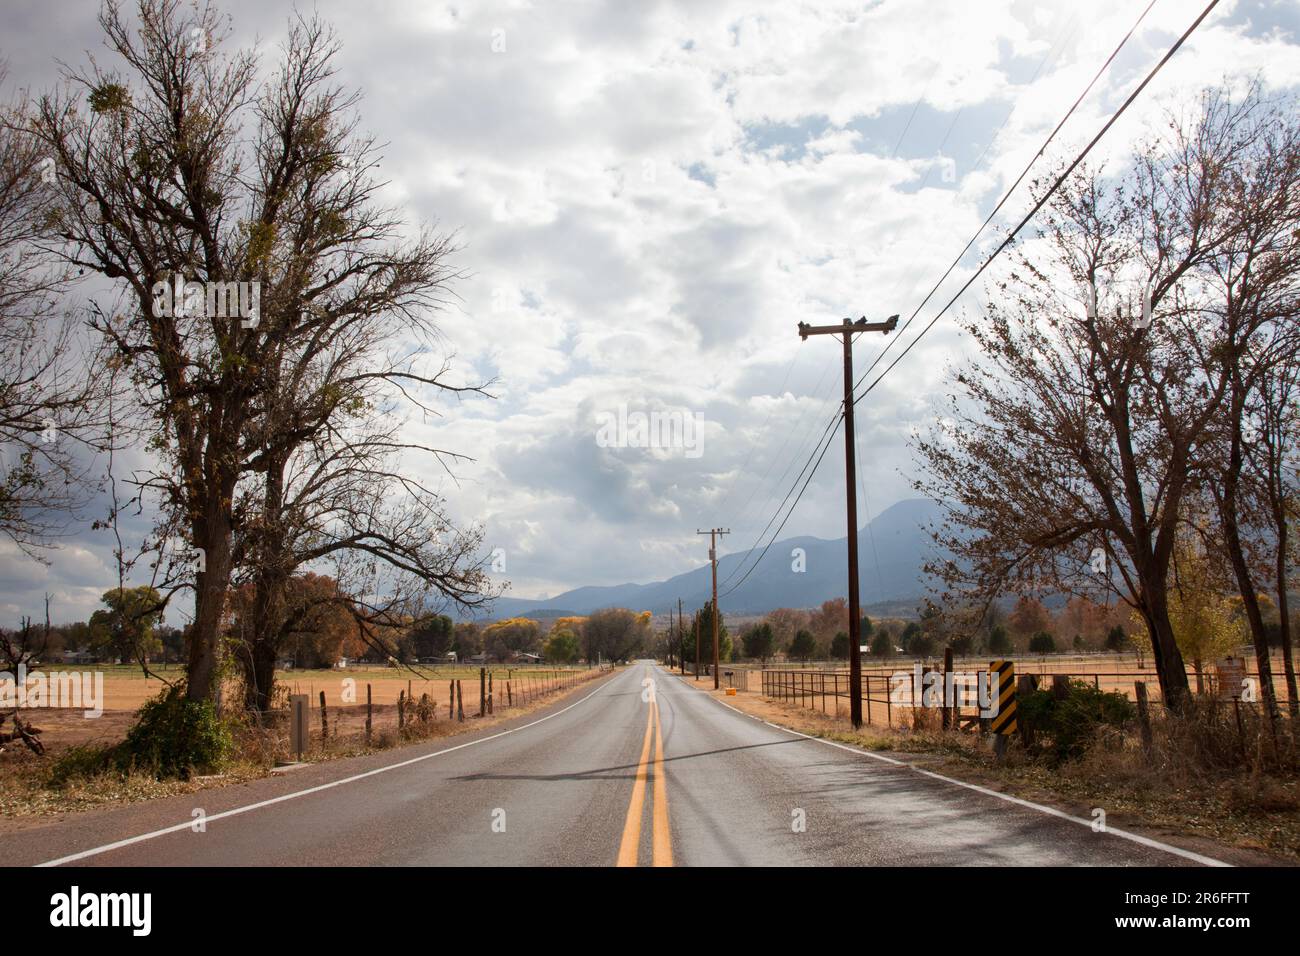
(891, 552)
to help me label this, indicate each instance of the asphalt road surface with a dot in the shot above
(637, 769)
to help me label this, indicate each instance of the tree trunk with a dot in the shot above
(1170, 669)
(213, 535)
(1284, 620)
(1227, 502)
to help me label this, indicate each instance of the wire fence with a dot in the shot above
(430, 708)
(887, 693)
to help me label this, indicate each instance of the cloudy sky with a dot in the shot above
(649, 196)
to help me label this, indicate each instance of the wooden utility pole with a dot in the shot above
(846, 331)
(713, 562)
(681, 637)
(695, 625)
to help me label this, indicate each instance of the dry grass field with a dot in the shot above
(126, 688)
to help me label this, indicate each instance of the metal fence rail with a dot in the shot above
(828, 690)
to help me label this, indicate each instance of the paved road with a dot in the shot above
(605, 777)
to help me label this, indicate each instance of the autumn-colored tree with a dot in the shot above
(1028, 617)
(1084, 618)
(786, 622)
(561, 647)
(614, 634)
(828, 620)
(1205, 616)
(502, 640)
(315, 630)
(127, 626)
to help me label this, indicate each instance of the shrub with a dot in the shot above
(1042, 643)
(999, 641)
(173, 737)
(1069, 724)
(1116, 639)
(85, 761)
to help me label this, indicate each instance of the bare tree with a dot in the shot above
(160, 185)
(1258, 274)
(1069, 448)
(344, 499)
(52, 383)
(1275, 478)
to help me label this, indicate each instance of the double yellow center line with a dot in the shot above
(661, 839)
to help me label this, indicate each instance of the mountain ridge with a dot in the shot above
(892, 549)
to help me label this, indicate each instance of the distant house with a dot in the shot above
(476, 659)
(79, 657)
(523, 657)
(449, 658)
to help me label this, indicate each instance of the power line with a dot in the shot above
(834, 419)
(1019, 179)
(829, 430)
(1042, 201)
(776, 534)
(1007, 241)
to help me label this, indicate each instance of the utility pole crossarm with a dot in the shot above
(848, 325)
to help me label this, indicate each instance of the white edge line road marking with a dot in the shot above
(1050, 811)
(108, 847)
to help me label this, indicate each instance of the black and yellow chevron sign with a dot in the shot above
(1005, 721)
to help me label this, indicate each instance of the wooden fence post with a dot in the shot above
(370, 712)
(460, 702)
(482, 691)
(401, 709)
(1060, 686)
(324, 720)
(1026, 684)
(510, 695)
(451, 702)
(947, 670)
(490, 693)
